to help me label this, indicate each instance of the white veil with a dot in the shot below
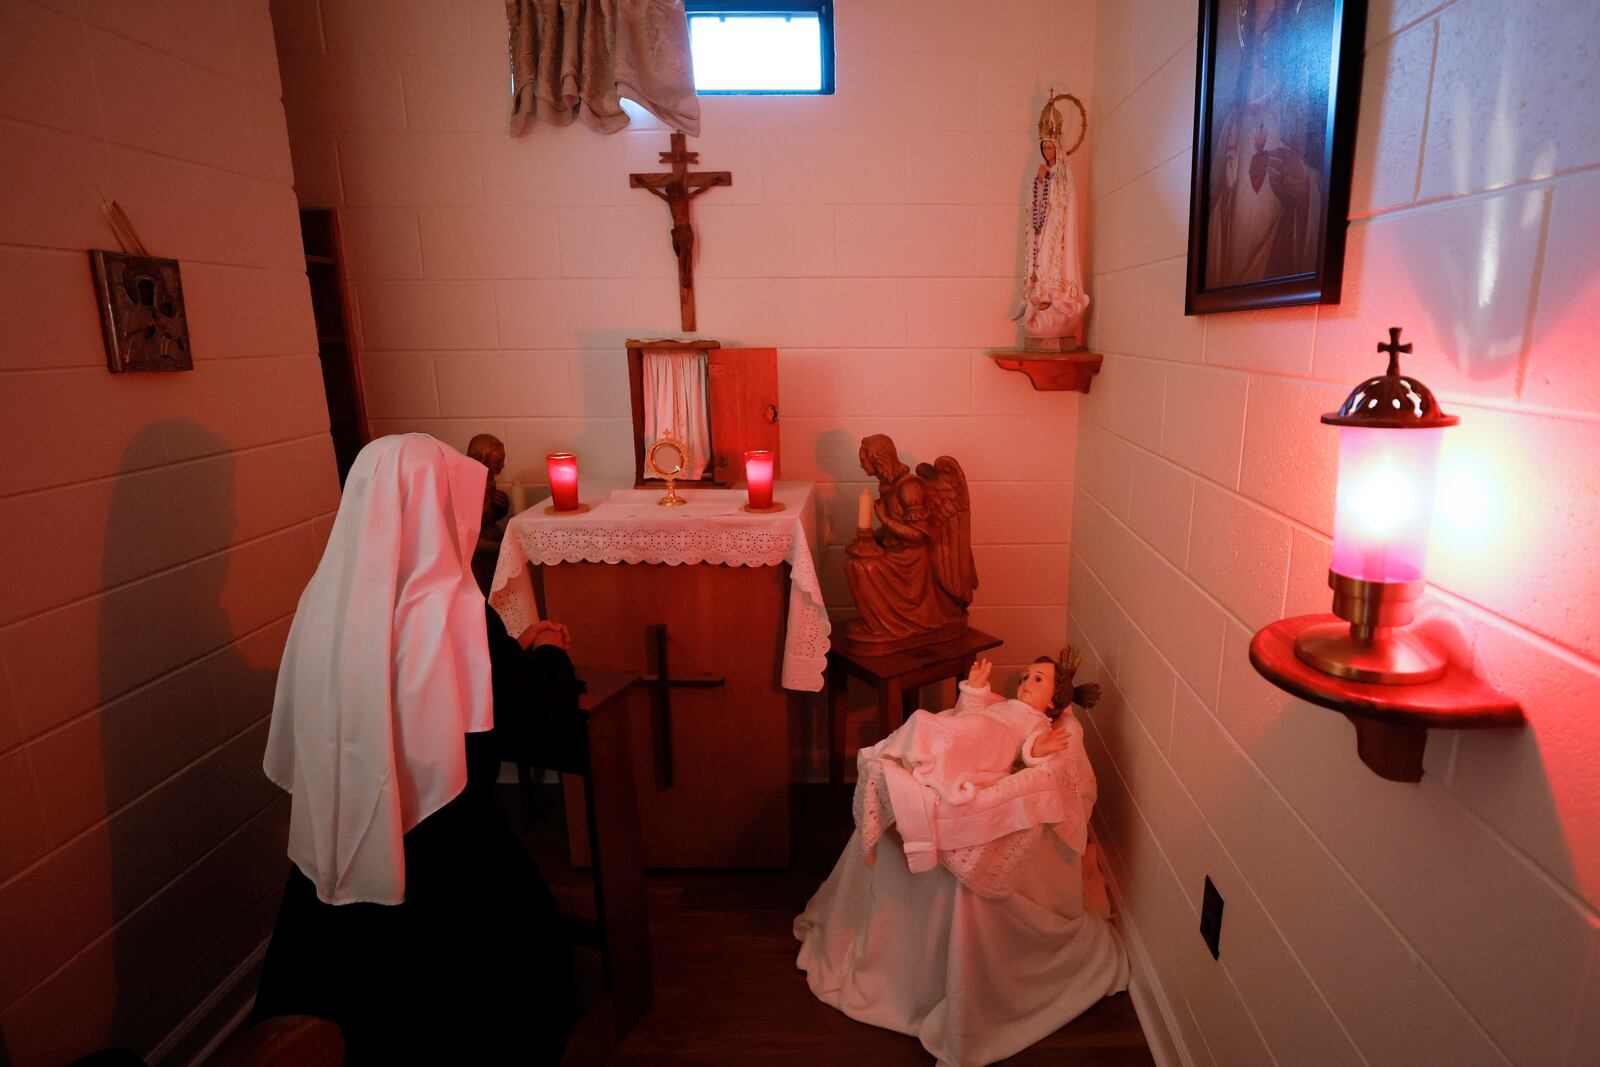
(386, 666)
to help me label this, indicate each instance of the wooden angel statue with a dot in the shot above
(912, 577)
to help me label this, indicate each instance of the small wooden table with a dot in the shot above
(897, 678)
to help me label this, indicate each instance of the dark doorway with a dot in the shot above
(341, 370)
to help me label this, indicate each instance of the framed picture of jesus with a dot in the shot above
(1276, 88)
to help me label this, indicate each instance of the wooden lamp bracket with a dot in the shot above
(1391, 721)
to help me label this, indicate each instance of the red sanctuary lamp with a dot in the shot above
(1390, 682)
(1389, 435)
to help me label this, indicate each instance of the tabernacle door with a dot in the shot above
(742, 384)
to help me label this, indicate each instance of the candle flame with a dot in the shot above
(1381, 500)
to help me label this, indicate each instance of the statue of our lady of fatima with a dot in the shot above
(1053, 299)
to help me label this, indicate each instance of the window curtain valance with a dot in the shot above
(577, 58)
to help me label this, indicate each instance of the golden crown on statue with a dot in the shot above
(1052, 125)
(1050, 122)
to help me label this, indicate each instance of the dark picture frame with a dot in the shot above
(142, 316)
(1277, 84)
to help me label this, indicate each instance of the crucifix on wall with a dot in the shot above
(677, 187)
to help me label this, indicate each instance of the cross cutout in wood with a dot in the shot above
(677, 187)
(661, 684)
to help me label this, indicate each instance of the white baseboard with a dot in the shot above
(205, 1008)
(1150, 1001)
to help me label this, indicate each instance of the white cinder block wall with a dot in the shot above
(1447, 922)
(155, 529)
(872, 237)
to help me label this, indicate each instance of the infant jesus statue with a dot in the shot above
(981, 924)
(956, 754)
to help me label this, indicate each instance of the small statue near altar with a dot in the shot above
(913, 576)
(488, 450)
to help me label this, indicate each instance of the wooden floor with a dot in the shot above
(727, 989)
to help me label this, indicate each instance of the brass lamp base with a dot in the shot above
(1369, 647)
(1388, 657)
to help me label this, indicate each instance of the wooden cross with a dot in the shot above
(1394, 348)
(661, 684)
(677, 187)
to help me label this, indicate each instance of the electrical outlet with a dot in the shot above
(1211, 917)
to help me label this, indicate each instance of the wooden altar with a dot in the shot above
(720, 612)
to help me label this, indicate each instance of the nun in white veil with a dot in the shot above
(408, 889)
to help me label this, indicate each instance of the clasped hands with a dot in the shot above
(545, 632)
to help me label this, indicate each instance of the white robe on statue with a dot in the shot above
(980, 954)
(1053, 257)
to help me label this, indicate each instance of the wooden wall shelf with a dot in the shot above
(1391, 721)
(1050, 371)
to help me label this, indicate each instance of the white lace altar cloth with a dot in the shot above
(629, 527)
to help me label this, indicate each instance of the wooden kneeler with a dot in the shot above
(620, 932)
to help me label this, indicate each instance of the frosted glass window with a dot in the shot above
(761, 51)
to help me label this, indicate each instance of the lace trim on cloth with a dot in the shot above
(990, 869)
(616, 532)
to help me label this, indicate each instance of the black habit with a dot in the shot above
(474, 966)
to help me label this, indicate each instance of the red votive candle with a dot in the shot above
(563, 469)
(758, 478)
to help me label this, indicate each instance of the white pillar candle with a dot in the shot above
(864, 511)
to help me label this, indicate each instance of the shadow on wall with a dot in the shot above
(166, 896)
(1472, 281)
(1492, 143)
(839, 453)
(1515, 278)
